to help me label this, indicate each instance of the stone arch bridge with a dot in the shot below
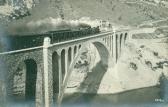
(36, 73)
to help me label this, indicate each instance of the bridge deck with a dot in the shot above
(57, 43)
(16, 42)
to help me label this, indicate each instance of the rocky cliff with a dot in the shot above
(115, 11)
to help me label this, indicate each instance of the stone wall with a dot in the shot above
(15, 69)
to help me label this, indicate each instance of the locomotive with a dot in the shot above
(34, 40)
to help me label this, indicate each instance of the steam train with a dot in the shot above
(27, 41)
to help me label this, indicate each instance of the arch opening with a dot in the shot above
(121, 36)
(75, 50)
(95, 76)
(103, 52)
(69, 55)
(55, 71)
(125, 37)
(116, 49)
(79, 46)
(24, 82)
(31, 77)
(63, 63)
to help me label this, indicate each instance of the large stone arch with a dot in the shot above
(98, 71)
(24, 81)
(75, 50)
(104, 53)
(100, 67)
(16, 61)
(20, 58)
(108, 54)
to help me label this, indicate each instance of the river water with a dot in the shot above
(145, 97)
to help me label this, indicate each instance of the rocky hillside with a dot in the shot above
(13, 10)
(115, 11)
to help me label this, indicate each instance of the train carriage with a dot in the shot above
(27, 41)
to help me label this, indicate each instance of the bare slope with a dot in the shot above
(115, 11)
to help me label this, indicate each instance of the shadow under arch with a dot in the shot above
(55, 71)
(24, 79)
(121, 36)
(103, 52)
(63, 63)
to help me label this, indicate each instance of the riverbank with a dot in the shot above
(143, 97)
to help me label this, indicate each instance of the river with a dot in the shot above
(145, 97)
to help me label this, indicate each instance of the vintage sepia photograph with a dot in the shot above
(83, 53)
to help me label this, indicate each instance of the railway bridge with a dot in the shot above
(38, 72)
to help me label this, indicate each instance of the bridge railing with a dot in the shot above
(21, 50)
(83, 38)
